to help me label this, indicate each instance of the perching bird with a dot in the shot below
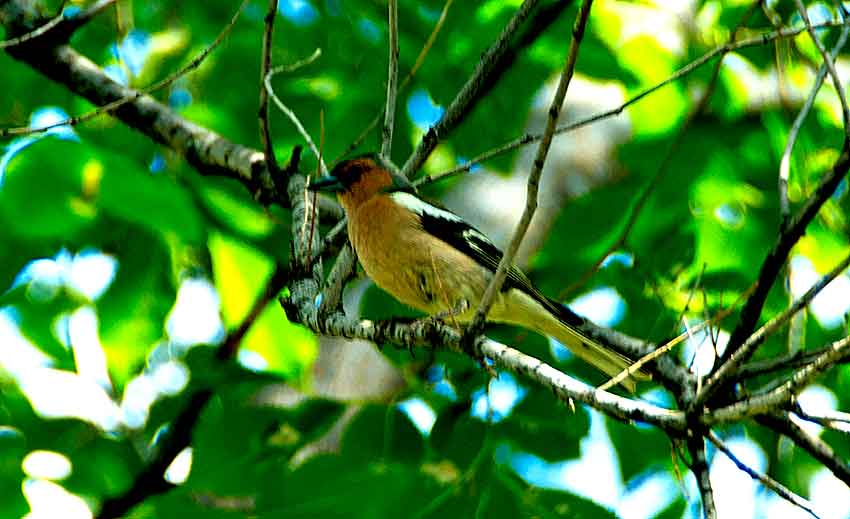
(432, 260)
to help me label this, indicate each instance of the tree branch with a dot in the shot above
(731, 367)
(699, 466)
(820, 450)
(392, 81)
(507, 259)
(777, 256)
(764, 479)
(489, 67)
(61, 27)
(777, 398)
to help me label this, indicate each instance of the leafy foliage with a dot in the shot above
(101, 188)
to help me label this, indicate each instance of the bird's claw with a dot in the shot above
(469, 344)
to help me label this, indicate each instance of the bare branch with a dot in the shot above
(820, 450)
(742, 354)
(828, 62)
(569, 127)
(786, 392)
(265, 65)
(61, 24)
(506, 262)
(114, 104)
(794, 360)
(286, 110)
(785, 161)
(764, 479)
(835, 420)
(777, 256)
(436, 335)
(487, 66)
(392, 80)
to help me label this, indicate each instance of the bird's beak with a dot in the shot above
(328, 184)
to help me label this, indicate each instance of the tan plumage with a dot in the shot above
(431, 260)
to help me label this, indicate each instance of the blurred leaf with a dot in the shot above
(132, 311)
(546, 427)
(154, 202)
(337, 486)
(458, 436)
(381, 434)
(45, 193)
(241, 274)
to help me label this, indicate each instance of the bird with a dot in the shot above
(432, 260)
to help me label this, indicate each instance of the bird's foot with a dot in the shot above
(461, 307)
(469, 344)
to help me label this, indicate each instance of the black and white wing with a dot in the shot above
(456, 232)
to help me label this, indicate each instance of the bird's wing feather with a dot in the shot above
(456, 232)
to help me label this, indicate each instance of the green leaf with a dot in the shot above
(154, 202)
(47, 191)
(382, 433)
(546, 427)
(132, 311)
(457, 436)
(241, 274)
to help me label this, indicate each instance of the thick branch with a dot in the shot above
(819, 449)
(430, 334)
(777, 256)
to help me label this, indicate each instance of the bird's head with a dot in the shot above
(359, 179)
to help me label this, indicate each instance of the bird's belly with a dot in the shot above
(430, 278)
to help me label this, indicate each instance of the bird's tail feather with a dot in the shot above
(563, 328)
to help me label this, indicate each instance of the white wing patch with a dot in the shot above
(421, 207)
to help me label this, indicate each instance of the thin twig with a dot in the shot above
(469, 93)
(669, 345)
(835, 420)
(730, 367)
(569, 127)
(265, 134)
(820, 450)
(62, 22)
(785, 161)
(785, 392)
(286, 110)
(136, 94)
(764, 479)
(506, 262)
(419, 60)
(830, 67)
(777, 256)
(392, 81)
(793, 360)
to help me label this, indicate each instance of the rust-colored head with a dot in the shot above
(357, 180)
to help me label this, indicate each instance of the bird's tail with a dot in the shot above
(535, 311)
(563, 328)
